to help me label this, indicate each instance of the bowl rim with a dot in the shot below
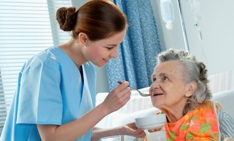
(152, 126)
(144, 120)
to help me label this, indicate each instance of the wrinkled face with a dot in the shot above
(101, 51)
(168, 88)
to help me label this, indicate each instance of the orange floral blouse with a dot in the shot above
(200, 124)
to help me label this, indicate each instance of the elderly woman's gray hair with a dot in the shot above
(193, 71)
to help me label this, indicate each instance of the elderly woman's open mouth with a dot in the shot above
(158, 94)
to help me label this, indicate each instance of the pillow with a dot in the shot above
(225, 98)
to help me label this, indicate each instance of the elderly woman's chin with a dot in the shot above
(157, 101)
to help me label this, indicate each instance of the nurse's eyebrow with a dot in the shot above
(112, 45)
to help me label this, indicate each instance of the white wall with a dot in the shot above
(217, 26)
(218, 35)
(78, 3)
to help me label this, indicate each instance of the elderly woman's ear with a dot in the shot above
(190, 88)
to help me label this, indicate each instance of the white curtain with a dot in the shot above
(26, 27)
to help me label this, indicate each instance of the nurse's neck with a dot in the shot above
(74, 50)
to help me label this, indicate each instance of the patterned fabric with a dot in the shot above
(137, 53)
(200, 124)
(226, 125)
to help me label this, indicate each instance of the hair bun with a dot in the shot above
(66, 18)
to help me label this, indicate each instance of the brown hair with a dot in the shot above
(98, 19)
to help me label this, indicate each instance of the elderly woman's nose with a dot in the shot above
(155, 85)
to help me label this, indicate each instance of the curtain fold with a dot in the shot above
(137, 52)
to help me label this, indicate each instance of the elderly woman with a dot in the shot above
(180, 90)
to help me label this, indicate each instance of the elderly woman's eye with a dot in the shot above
(153, 79)
(164, 78)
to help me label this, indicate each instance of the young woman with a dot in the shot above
(55, 95)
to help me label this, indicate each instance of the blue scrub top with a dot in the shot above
(49, 91)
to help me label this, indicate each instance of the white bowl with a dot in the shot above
(151, 122)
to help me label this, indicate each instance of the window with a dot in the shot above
(26, 27)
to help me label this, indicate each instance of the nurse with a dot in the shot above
(55, 95)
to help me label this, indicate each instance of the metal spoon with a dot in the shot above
(142, 94)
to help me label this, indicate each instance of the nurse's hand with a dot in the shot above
(118, 97)
(131, 130)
